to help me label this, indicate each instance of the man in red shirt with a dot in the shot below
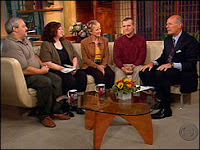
(129, 52)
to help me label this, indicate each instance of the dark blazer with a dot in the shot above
(186, 53)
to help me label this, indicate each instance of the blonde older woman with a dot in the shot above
(95, 54)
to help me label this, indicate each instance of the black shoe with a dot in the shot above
(69, 113)
(80, 111)
(73, 108)
(162, 113)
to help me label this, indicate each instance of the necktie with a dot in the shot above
(171, 54)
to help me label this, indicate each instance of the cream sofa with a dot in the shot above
(13, 86)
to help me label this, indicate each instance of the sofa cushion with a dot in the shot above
(154, 50)
(90, 79)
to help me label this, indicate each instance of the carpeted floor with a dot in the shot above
(18, 131)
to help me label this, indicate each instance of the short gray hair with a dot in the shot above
(12, 22)
(91, 23)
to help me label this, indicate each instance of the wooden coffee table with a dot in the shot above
(100, 111)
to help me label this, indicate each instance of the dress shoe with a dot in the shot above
(80, 111)
(69, 113)
(73, 108)
(48, 122)
(162, 113)
(60, 116)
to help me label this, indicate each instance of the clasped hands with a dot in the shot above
(44, 69)
(101, 68)
(128, 69)
(163, 67)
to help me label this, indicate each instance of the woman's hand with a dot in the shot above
(73, 72)
(101, 68)
(53, 66)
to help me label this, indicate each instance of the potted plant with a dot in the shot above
(124, 88)
(79, 30)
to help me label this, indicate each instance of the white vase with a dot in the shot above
(124, 96)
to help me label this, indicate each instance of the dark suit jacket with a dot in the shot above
(186, 53)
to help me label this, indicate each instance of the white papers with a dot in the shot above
(68, 66)
(67, 70)
(144, 88)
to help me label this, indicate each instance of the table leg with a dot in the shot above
(143, 125)
(89, 119)
(102, 122)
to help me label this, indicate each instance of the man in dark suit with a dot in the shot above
(176, 65)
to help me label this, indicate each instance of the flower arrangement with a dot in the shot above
(125, 86)
(79, 29)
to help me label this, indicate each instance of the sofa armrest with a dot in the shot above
(13, 86)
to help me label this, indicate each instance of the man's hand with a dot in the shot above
(150, 66)
(127, 70)
(45, 69)
(164, 67)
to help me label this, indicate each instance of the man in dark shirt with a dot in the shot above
(176, 65)
(129, 52)
(48, 85)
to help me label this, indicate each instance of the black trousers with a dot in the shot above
(162, 80)
(107, 79)
(48, 87)
(77, 81)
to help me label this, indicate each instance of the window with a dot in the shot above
(189, 10)
(122, 10)
(152, 17)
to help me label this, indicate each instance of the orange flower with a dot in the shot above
(130, 85)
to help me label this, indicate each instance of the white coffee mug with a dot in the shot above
(73, 96)
(100, 89)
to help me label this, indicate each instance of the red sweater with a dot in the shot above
(130, 50)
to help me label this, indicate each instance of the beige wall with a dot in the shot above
(69, 14)
(54, 15)
(66, 17)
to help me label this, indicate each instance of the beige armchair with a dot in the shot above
(13, 86)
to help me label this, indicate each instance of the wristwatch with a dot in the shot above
(172, 64)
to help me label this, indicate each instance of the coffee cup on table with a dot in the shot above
(73, 97)
(100, 89)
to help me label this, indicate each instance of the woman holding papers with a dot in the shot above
(57, 53)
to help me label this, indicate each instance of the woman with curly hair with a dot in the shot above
(56, 52)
